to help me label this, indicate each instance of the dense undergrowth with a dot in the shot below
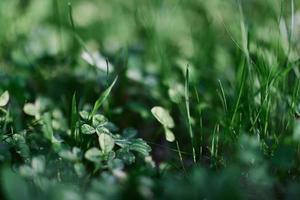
(149, 99)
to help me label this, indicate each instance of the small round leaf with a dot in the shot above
(93, 154)
(30, 109)
(106, 142)
(87, 129)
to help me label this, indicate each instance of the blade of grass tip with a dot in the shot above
(187, 106)
(278, 41)
(245, 37)
(57, 19)
(244, 32)
(241, 89)
(230, 35)
(102, 98)
(77, 37)
(74, 117)
(71, 17)
(280, 13)
(223, 97)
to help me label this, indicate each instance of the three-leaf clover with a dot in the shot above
(164, 117)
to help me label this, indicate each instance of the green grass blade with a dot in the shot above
(187, 106)
(74, 116)
(102, 98)
(76, 36)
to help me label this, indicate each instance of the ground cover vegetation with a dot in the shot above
(149, 99)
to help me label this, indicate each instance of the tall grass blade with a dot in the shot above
(102, 98)
(187, 106)
(74, 117)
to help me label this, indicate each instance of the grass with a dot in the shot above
(206, 102)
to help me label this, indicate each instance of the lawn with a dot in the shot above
(149, 99)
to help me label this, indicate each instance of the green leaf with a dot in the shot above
(100, 130)
(99, 120)
(170, 137)
(140, 146)
(163, 116)
(84, 115)
(102, 98)
(129, 133)
(116, 164)
(4, 98)
(87, 129)
(125, 155)
(106, 142)
(93, 154)
(30, 109)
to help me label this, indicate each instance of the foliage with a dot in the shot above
(212, 89)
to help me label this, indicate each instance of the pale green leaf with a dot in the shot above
(140, 146)
(30, 109)
(170, 137)
(106, 142)
(99, 120)
(163, 116)
(84, 114)
(4, 98)
(93, 154)
(87, 129)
